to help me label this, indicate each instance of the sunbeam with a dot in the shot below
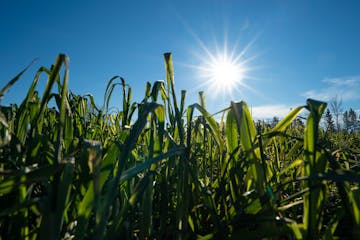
(223, 72)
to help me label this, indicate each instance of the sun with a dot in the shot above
(224, 72)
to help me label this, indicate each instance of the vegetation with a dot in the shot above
(159, 169)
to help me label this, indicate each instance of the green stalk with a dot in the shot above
(315, 163)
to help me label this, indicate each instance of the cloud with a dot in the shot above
(270, 111)
(245, 25)
(347, 88)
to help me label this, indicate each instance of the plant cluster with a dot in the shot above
(159, 169)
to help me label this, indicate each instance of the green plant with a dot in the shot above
(158, 169)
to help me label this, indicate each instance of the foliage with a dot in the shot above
(160, 170)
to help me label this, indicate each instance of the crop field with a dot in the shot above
(163, 169)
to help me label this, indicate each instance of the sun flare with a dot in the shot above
(223, 72)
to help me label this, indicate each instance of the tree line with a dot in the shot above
(338, 120)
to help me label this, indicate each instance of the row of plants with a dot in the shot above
(161, 169)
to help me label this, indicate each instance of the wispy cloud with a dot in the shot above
(270, 111)
(347, 88)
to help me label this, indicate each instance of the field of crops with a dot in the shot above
(162, 169)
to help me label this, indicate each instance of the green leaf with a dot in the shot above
(215, 131)
(14, 80)
(232, 141)
(247, 133)
(126, 175)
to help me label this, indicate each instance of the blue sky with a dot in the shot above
(296, 49)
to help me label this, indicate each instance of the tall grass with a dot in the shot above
(160, 170)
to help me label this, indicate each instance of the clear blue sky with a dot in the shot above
(298, 49)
